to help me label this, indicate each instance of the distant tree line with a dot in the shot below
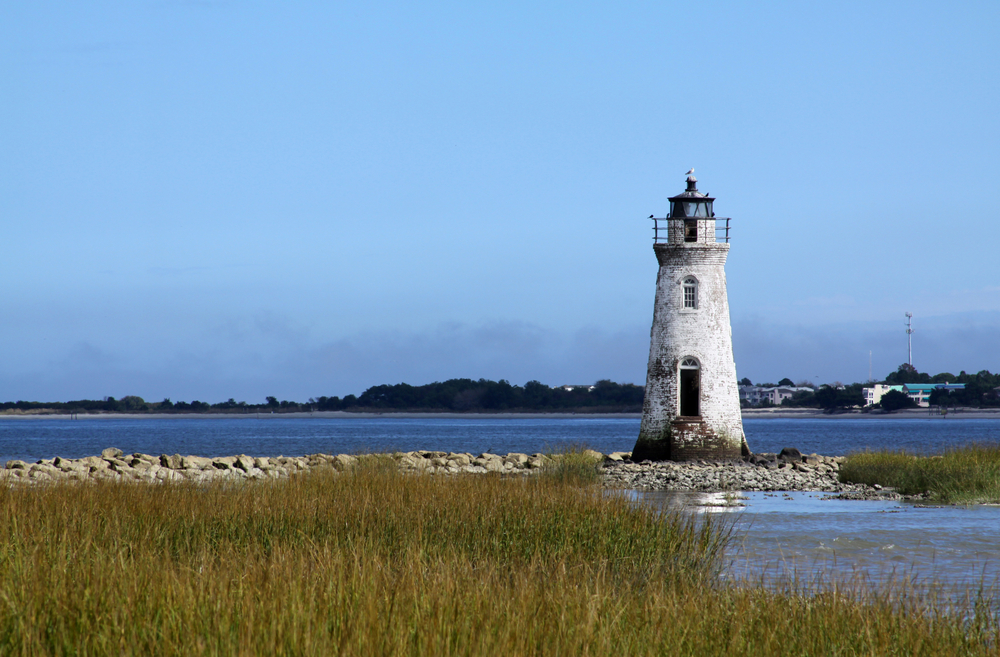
(470, 395)
(461, 395)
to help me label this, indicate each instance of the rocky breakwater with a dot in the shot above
(113, 465)
(788, 471)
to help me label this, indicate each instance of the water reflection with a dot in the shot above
(809, 537)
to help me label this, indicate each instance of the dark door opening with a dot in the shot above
(690, 392)
(690, 230)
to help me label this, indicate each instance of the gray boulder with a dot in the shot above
(790, 454)
(174, 462)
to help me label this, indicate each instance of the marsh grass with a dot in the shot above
(574, 465)
(967, 474)
(372, 561)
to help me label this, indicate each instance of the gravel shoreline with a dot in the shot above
(788, 471)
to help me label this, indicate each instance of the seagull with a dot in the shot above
(690, 171)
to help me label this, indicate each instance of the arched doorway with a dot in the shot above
(690, 387)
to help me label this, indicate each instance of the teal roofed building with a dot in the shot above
(921, 392)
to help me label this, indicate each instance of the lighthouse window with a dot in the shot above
(690, 293)
(690, 230)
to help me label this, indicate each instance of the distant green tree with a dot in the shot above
(907, 373)
(328, 403)
(830, 398)
(132, 403)
(802, 399)
(786, 382)
(272, 401)
(895, 400)
(826, 397)
(537, 395)
(941, 397)
(746, 382)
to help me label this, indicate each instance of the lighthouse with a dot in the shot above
(691, 408)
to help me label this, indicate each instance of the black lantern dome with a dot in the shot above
(692, 204)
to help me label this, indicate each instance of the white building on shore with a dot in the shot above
(774, 395)
(874, 394)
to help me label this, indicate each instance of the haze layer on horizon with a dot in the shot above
(211, 200)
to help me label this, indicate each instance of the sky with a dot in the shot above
(205, 200)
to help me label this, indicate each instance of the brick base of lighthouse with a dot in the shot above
(688, 439)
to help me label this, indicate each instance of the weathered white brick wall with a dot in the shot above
(705, 334)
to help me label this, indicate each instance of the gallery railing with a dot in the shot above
(662, 227)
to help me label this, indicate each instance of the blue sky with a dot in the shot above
(239, 199)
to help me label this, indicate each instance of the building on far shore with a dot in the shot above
(874, 394)
(757, 395)
(918, 392)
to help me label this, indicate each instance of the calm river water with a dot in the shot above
(798, 532)
(32, 438)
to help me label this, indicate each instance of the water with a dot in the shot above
(811, 537)
(834, 436)
(31, 439)
(801, 533)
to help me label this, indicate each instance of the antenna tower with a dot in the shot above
(909, 338)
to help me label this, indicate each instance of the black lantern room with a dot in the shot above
(692, 204)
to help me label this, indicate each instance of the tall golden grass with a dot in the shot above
(372, 561)
(966, 474)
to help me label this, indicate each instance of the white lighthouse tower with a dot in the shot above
(692, 405)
